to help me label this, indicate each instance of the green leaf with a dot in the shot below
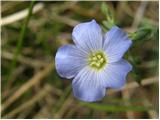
(141, 34)
(114, 108)
(137, 74)
(108, 25)
(104, 8)
(121, 100)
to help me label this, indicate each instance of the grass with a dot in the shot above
(21, 38)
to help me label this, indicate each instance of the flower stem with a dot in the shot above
(21, 38)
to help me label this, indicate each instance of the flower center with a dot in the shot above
(97, 60)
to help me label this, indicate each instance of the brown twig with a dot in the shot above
(19, 70)
(64, 19)
(34, 80)
(31, 102)
(132, 85)
(64, 107)
(7, 93)
(82, 11)
(20, 15)
(151, 112)
(139, 14)
(62, 7)
(23, 114)
(126, 95)
(24, 60)
(44, 112)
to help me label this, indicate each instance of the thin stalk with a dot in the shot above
(21, 38)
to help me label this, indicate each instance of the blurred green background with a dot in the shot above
(31, 33)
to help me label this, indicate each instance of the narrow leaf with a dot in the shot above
(114, 108)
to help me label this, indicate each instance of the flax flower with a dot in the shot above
(95, 62)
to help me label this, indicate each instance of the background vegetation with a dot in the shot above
(31, 87)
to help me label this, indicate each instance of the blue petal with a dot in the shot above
(116, 44)
(114, 75)
(69, 61)
(88, 36)
(87, 87)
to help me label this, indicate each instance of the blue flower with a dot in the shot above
(95, 61)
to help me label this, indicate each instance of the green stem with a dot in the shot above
(21, 38)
